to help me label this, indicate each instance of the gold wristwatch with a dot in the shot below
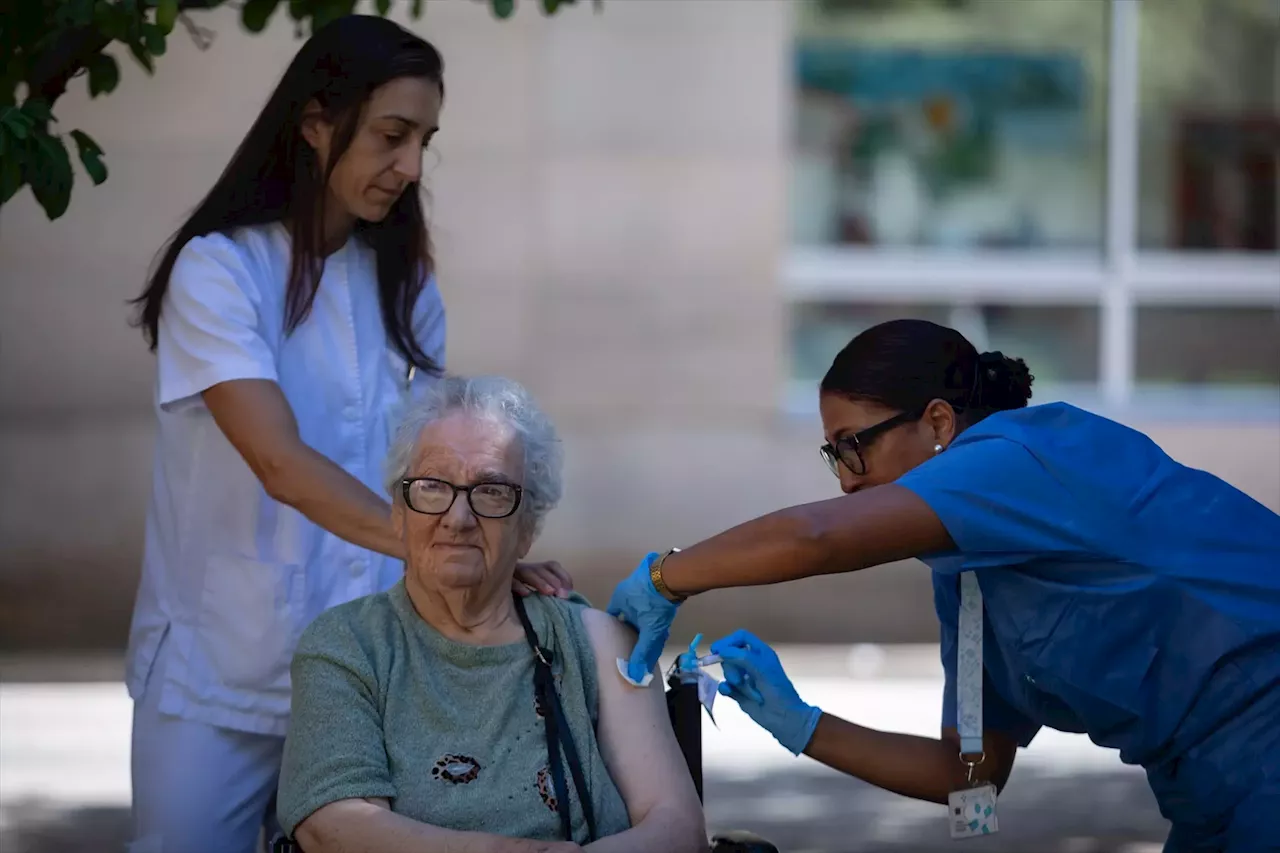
(655, 575)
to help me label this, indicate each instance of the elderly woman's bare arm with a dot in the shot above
(335, 782)
(642, 755)
(369, 826)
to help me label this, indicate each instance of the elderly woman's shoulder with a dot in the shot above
(604, 632)
(357, 624)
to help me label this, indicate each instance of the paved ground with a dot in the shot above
(64, 780)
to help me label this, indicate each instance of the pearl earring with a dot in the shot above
(937, 448)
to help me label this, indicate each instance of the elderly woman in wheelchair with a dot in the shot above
(447, 714)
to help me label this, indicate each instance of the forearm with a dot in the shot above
(775, 548)
(843, 534)
(664, 827)
(920, 767)
(363, 827)
(321, 490)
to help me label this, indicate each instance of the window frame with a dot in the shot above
(1118, 279)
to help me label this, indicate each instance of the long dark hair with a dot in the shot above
(907, 364)
(274, 175)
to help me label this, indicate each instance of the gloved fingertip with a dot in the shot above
(637, 670)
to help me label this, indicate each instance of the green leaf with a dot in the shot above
(327, 11)
(76, 13)
(153, 38)
(38, 111)
(166, 15)
(11, 179)
(90, 156)
(256, 14)
(415, 8)
(383, 7)
(144, 59)
(550, 6)
(16, 122)
(48, 171)
(104, 75)
(503, 8)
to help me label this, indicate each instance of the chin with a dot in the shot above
(458, 576)
(375, 213)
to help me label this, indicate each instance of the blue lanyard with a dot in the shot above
(969, 670)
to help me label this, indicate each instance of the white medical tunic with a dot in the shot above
(230, 577)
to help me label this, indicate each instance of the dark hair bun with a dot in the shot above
(1002, 382)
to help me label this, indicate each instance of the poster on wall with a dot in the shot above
(905, 146)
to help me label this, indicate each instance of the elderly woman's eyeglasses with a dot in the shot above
(431, 496)
(849, 448)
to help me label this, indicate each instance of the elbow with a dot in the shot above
(1001, 779)
(310, 834)
(316, 834)
(822, 543)
(685, 827)
(275, 472)
(344, 826)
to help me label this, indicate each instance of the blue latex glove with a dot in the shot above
(753, 678)
(637, 602)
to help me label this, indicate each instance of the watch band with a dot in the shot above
(655, 576)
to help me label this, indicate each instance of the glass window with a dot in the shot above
(1209, 132)
(1058, 342)
(1200, 346)
(950, 123)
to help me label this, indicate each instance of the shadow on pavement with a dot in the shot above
(36, 829)
(806, 812)
(832, 813)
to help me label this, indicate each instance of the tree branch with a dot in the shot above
(202, 36)
(55, 67)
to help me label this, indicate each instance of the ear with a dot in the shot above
(940, 422)
(316, 131)
(525, 543)
(397, 516)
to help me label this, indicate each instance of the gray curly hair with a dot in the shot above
(492, 398)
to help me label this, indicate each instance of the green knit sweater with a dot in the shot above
(386, 706)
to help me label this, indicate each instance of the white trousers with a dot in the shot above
(199, 788)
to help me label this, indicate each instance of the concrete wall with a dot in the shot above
(608, 202)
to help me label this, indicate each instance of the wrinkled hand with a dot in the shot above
(548, 578)
(753, 678)
(636, 602)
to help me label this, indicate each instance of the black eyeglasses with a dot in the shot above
(849, 448)
(431, 496)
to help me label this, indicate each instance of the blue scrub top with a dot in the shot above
(1126, 596)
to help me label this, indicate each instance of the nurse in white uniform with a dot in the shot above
(291, 315)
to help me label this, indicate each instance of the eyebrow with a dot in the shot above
(404, 120)
(489, 475)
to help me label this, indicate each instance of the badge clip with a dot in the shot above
(972, 811)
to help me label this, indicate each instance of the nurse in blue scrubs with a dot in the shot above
(1126, 596)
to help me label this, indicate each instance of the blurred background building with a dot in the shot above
(666, 217)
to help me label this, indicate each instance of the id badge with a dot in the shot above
(972, 812)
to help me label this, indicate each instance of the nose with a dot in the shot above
(409, 164)
(460, 516)
(849, 481)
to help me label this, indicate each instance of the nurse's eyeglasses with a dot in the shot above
(848, 449)
(431, 496)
